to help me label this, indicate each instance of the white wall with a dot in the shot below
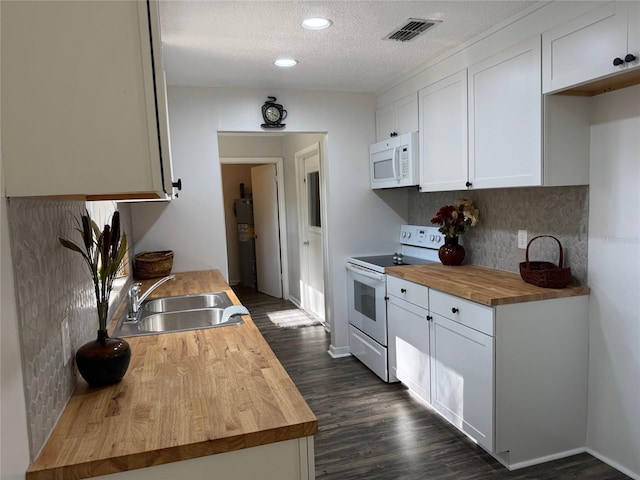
(359, 221)
(614, 278)
(14, 442)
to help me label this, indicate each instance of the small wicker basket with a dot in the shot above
(152, 264)
(545, 274)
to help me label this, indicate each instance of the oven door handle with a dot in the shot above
(364, 272)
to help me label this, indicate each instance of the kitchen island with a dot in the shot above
(208, 403)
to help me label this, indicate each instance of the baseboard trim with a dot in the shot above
(616, 465)
(295, 301)
(339, 352)
(546, 458)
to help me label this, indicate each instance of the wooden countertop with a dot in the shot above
(185, 395)
(480, 284)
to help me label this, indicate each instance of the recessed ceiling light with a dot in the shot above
(316, 23)
(285, 62)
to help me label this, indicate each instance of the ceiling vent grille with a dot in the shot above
(412, 28)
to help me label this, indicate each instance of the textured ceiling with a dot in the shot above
(234, 43)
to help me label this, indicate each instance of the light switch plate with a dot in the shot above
(522, 239)
(66, 340)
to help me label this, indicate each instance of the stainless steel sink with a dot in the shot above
(187, 320)
(180, 313)
(186, 302)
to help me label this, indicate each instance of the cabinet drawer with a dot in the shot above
(466, 312)
(409, 291)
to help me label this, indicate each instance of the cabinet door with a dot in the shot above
(407, 109)
(585, 48)
(397, 118)
(409, 359)
(505, 119)
(79, 100)
(462, 378)
(385, 123)
(442, 109)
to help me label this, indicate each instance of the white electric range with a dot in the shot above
(367, 284)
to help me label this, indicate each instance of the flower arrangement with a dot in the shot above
(455, 219)
(103, 251)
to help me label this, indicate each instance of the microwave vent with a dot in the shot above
(411, 29)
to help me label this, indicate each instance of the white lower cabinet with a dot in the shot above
(409, 346)
(286, 460)
(512, 377)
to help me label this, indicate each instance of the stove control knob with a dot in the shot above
(408, 234)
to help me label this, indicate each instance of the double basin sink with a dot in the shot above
(180, 313)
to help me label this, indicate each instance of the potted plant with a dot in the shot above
(105, 360)
(455, 220)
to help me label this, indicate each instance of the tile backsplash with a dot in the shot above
(559, 211)
(52, 283)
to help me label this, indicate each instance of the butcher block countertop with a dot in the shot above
(185, 395)
(480, 284)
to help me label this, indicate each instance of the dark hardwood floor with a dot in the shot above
(372, 430)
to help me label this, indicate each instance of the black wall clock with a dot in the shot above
(273, 114)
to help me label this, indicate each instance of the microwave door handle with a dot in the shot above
(394, 163)
(364, 272)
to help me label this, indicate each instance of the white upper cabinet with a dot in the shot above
(84, 100)
(505, 118)
(599, 43)
(443, 134)
(397, 118)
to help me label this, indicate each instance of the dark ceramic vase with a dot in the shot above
(451, 253)
(103, 361)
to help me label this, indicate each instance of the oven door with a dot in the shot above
(367, 306)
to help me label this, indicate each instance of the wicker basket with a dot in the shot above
(545, 274)
(152, 264)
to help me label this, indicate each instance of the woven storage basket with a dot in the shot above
(153, 264)
(545, 274)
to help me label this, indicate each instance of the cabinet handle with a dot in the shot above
(454, 310)
(177, 184)
(468, 184)
(393, 134)
(403, 290)
(429, 318)
(617, 61)
(629, 58)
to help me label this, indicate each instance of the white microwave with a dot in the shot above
(394, 162)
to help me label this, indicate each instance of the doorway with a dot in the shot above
(256, 239)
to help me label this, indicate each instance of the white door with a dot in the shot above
(310, 208)
(267, 232)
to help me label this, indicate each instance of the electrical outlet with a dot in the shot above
(522, 239)
(66, 340)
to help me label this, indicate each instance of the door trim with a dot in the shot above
(282, 221)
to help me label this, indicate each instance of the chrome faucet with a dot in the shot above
(134, 301)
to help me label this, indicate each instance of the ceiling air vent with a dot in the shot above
(411, 29)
